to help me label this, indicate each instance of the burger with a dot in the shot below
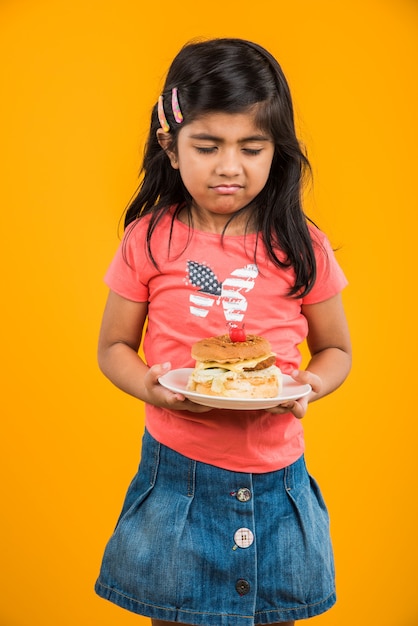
(235, 369)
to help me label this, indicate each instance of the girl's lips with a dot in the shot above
(226, 189)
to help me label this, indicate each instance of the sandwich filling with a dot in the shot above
(235, 369)
(228, 383)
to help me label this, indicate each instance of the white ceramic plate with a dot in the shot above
(176, 380)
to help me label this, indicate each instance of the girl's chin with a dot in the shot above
(225, 205)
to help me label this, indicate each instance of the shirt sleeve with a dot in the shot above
(127, 267)
(330, 279)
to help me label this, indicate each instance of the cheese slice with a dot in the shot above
(232, 367)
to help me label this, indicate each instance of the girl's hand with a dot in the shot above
(299, 407)
(162, 397)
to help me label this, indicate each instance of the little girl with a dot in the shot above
(222, 525)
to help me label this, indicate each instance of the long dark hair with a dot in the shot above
(231, 76)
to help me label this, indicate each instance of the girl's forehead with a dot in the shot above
(218, 123)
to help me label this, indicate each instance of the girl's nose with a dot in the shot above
(228, 164)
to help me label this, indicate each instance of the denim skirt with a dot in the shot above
(203, 545)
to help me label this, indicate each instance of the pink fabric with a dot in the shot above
(200, 286)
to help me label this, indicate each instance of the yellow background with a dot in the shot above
(78, 79)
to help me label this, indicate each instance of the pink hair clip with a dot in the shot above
(161, 115)
(178, 115)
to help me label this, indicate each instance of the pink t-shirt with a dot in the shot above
(202, 283)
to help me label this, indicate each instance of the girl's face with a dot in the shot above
(224, 161)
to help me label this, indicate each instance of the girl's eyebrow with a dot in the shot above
(207, 137)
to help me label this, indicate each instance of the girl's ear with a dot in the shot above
(165, 141)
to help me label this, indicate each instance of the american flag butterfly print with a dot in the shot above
(229, 293)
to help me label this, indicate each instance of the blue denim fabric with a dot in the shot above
(175, 555)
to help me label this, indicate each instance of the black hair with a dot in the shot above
(232, 76)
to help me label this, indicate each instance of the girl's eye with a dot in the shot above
(203, 150)
(252, 151)
(212, 149)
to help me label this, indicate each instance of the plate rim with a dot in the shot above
(248, 401)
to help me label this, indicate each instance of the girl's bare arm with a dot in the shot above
(120, 337)
(330, 348)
